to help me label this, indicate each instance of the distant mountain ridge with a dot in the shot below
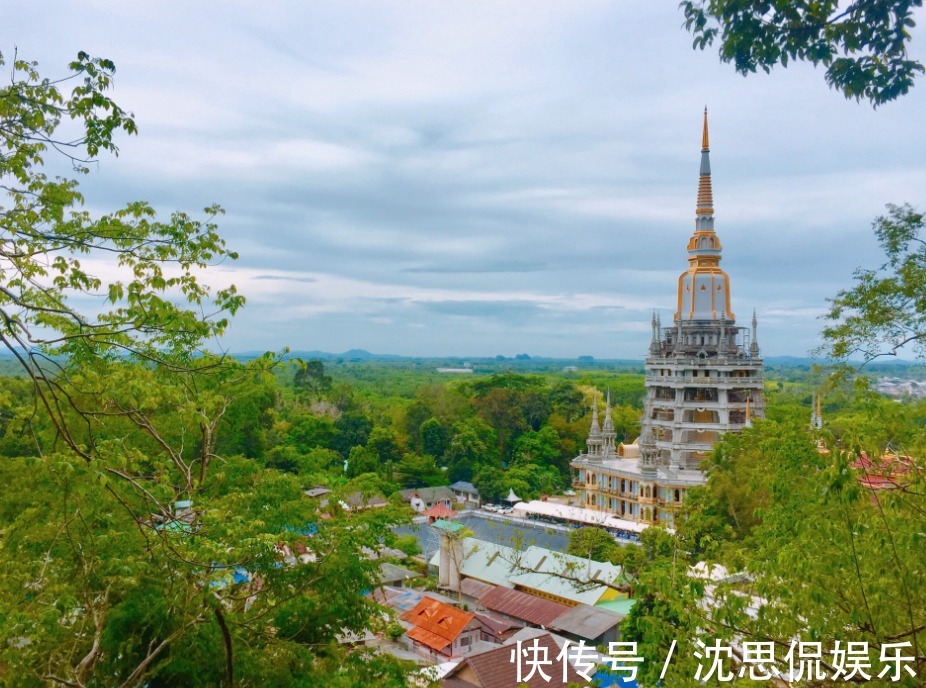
(364, 355)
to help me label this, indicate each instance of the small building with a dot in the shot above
(397, 576)
(357, 501)
(438, 512)
(423, 498)
(595, 625)
(440, 630)
(466, 494)
(316, 492)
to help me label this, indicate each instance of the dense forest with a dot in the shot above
(74, 542)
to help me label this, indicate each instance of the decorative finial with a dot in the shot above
(704, 142)
(705, 193)
(754, 342)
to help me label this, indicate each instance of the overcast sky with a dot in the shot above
(483, 177)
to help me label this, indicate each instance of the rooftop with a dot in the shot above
(436, 624)
(626, 467)
(390, 573)
(521, 605)
(494, 669)
(462, 486)
(439, 511)
(428, 494)
(587, 622)
(564, 575)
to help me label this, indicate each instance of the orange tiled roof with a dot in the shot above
(436, 624)
(439, 511)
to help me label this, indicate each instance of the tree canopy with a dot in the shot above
(134, 551)
(886, 309)
(863, 44)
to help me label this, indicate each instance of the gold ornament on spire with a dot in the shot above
(704, 144)
(704, 289)
(705, 192)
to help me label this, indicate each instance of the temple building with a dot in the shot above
(704, 377)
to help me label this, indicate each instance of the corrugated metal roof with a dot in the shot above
(538, 569)
(563, 575)
(390, 573)
(522, 605)
(485, 561)
(587, 622)
(499, 628)
(474, 588)
(426, 637)
(494, 669)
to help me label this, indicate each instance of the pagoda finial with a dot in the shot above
(704, 142)
(754, 341)
(705, 192)
(816, 416)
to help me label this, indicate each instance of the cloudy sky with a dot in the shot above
(450, 177)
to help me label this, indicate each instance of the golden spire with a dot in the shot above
(704, 144)
(705, 193)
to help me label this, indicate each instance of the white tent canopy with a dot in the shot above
(575, 514)
(512, 497)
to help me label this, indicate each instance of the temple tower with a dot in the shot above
(704, 375)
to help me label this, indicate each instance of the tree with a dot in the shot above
(353, 429)
(434, 439)
(539, 448)
(593, 543)
(862, 43)
(126, 536)
(416, 470)
(310, 377)
(499, 407)
(886, 309)
(772, 499)
(469, 449)
(567, 400)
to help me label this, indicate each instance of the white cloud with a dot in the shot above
(493, 176)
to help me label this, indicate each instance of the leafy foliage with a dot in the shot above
(135, 550)
(886, 309)
(862, 44)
